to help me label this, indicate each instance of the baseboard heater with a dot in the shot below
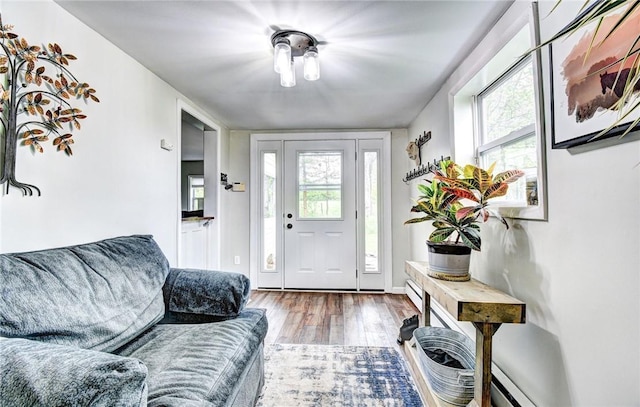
(504, 393)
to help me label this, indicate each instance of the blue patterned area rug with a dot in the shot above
(330, 375)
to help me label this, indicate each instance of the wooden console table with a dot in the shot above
(472, 301)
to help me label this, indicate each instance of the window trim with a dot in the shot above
(509, 138)
(465, 93)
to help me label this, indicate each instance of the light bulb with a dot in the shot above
(288, 75)
(311, 64)
(281, 55)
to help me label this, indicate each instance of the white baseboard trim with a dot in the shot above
(398, 290)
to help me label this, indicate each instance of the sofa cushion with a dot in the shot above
(198, 364)
(204, 295)
(97, 295)
(37, 374)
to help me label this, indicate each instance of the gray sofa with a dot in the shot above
(110, 324)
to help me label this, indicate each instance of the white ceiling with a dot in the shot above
(381, 64)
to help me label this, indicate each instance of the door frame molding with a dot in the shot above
(214, 229)
(255, 221)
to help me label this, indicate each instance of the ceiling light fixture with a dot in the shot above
(288, 44)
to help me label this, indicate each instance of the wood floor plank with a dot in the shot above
(352, 319)
(336, 329)
(292, 329)
(353, 324)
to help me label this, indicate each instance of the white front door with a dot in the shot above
(320, 250)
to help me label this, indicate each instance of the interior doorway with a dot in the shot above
(198, 232)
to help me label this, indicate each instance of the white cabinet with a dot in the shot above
(195, 244)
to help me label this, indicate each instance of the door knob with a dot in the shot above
(289, 215)
(289, 225)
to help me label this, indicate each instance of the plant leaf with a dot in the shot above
(480, 176)
(440, 235)
(461, 193)
(466, 211)
(496, 190)
(491, 168)
(508, 176)
(465, 183)
(471, 238)
(438, 224)
(418, 220)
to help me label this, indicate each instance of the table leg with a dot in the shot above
(426, 309)
(482, 378)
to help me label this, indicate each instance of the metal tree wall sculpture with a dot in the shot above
(35, 105)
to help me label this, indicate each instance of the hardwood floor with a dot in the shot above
(333, 318)
(350, 319)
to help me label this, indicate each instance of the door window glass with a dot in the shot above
(320, 185)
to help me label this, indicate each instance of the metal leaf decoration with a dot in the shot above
(36, 95)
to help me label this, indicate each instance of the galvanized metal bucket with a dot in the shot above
(450, 384)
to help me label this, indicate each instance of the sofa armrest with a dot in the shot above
(36, 373)
(204, 295)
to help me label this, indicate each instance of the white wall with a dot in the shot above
(400, 204)
(118, 181)
(578, 272)
(235, 216)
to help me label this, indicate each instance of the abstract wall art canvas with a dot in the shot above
(587, 78)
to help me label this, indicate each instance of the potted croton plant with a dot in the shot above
(456, 202)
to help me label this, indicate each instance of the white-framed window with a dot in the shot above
(498, 116)
(506, 130)
(196, 192)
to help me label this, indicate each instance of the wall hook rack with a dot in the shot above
(414, 148)
(423, 169)
(422, 140)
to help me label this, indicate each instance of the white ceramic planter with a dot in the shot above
(449, 261)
